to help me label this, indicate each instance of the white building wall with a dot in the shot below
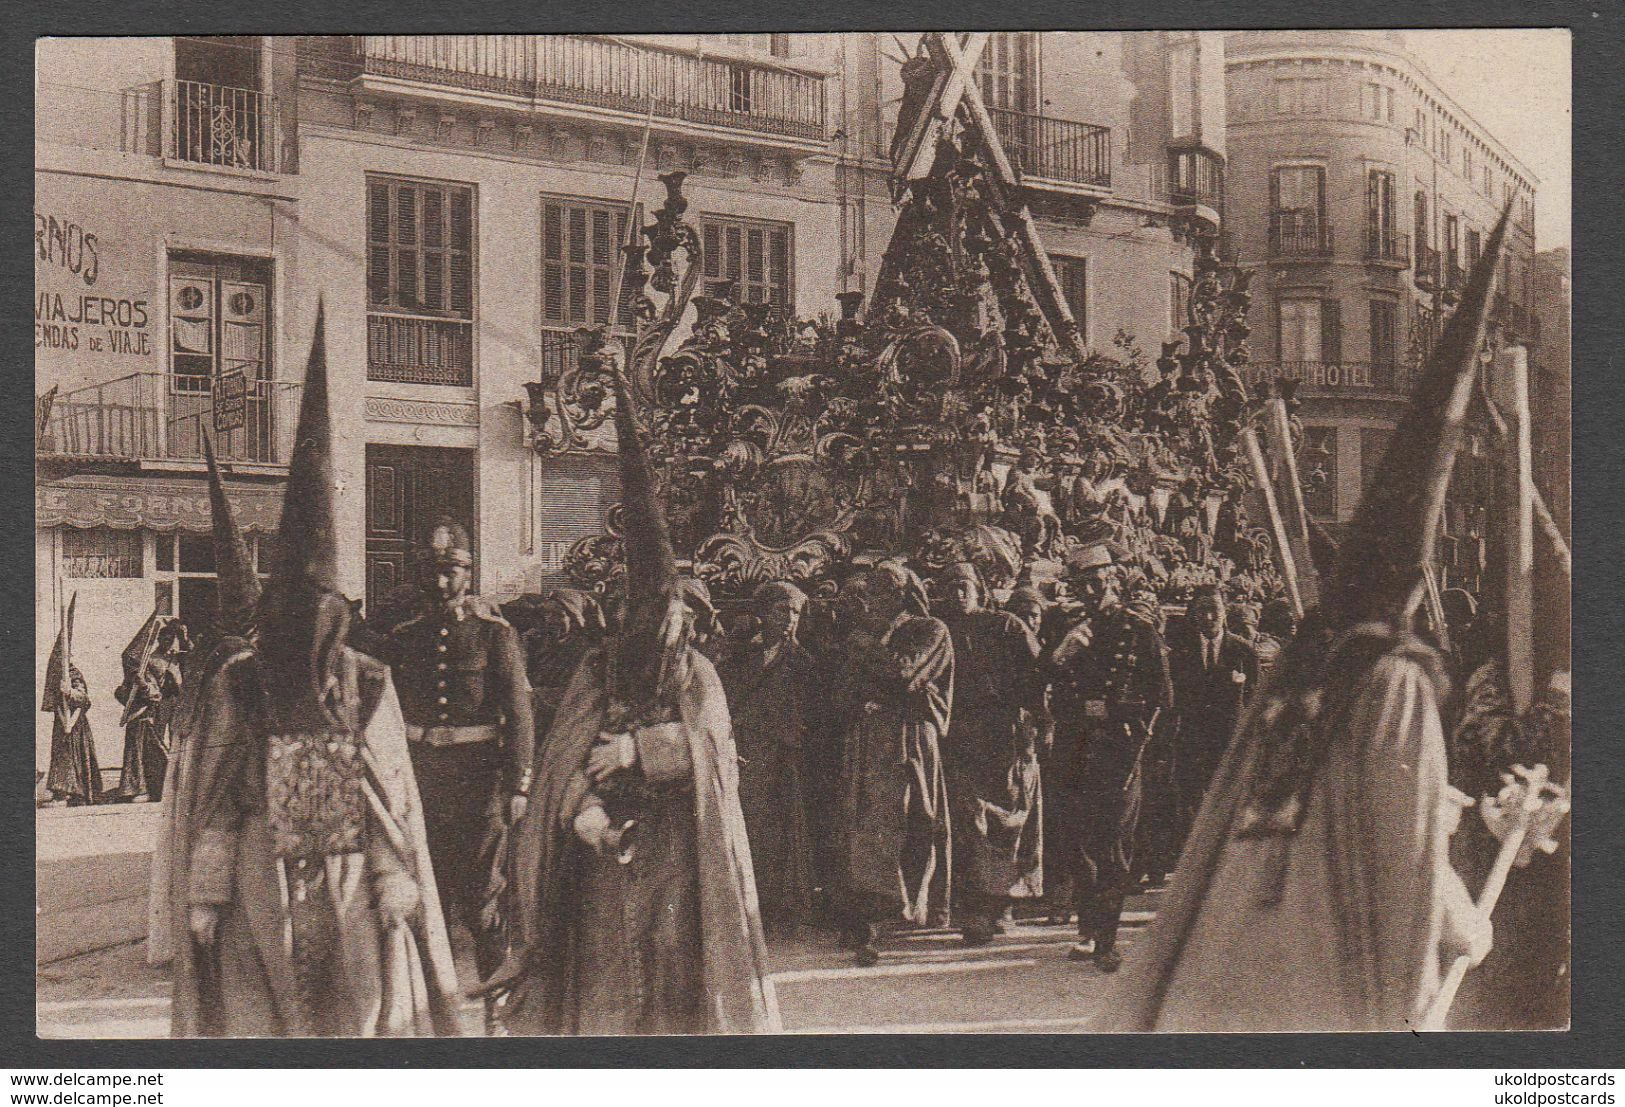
(508, 197)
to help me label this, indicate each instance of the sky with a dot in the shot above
(1518, 85)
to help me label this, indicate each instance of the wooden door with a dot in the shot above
(408, 488)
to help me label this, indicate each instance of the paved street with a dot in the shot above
(925, 983)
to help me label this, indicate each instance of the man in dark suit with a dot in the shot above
(1214, 672)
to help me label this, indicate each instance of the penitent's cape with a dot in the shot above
(405, 974)
(739, 995)
(1335, 926)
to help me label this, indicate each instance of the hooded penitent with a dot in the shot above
(237, 585)
(237, 595)
(312, 732)
(647, 673)
(1315, 887)
(648, 646)
(305, 617)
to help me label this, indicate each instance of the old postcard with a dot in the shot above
(1018, 532)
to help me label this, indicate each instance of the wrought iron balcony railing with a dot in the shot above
(606, 72)
(1050, 149)
(418, 349)
(158, 416)
(1299, 234)
(1427, 267)
(232, 128)
(1196, 177)
(1341, 377)
(1387, 247)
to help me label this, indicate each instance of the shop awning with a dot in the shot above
(129, 503)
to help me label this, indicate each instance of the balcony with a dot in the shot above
(1427, 268)
(1299, 234)
(1196, 177)
(1345, 378)
(605, 72)
(1055, 150)
(1388, 249)
(161, 417)
(1454, 278)
(223, 127)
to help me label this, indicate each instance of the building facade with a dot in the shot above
(165, 234)
(456, 205)
(1361, 194)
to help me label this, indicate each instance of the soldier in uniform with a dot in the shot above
(1111, 682)
(464, 694)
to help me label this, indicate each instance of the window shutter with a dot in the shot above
(1331, 332)
(1373, 208)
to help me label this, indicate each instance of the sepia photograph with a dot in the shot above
(947, 532)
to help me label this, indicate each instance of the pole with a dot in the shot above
(618, 276)
(1280, 432)
(1446, 997)
(1283, 544)
(1543, 515)
(1509, 386)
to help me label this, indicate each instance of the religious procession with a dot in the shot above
(920, 624)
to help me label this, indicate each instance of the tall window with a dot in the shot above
(1073, 273)
(1377, 102)
(420, 282)
(1298, 205)
(1467, 163)
(1475, 247)
(1384, 341)
(1379, 214)
(1452, 246)
(1423, 237)
(1310, 331)
(1007, 71)
(218, 113)
(753, 255)
(581, 248)
(1179, 298)
(217, 319)
(1489, 180)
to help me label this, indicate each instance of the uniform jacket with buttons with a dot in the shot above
(462, 665)
(1124, 669)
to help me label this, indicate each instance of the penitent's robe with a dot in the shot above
(1337, 927)
(896, 832)
(770, 699)
(991, 756)
(669, 942)
(380, 981)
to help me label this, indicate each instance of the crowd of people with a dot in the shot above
(620, 793)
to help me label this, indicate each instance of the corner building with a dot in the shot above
(165, 250)
(1361, 193)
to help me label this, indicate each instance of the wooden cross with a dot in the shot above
(954, 86)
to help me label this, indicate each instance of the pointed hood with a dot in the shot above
(59, 667)
(651, 624)
(238, 588)
(304, 617)
(142, 646)
(307, 547)
(1394, 530)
